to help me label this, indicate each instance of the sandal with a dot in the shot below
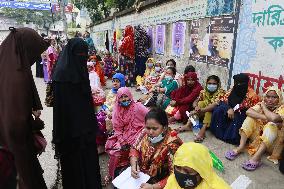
(231, 155)
(199, 139)
(251, 166)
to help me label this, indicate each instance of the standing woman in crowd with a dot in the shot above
(74, 121)
(19, 99)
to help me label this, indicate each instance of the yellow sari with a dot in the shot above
(197, 157)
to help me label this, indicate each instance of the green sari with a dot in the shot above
(170, 85)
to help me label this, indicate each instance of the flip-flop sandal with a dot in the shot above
(231, 155)
(199, 139)
(250, 166)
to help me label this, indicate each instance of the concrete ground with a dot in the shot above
(266, 177)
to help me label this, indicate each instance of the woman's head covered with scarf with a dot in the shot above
(197, 157)
(72, 63)
(240, 89)
(213, 87)
(271, 100)
(190, 79)
(120, 77)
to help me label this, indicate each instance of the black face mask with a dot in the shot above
(186, 180)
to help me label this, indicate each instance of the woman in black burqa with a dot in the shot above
(74, 121)
(18, 98)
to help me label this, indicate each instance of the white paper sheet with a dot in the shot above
(242, 182)
(126, 181)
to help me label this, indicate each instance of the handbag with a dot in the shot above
(39, 142)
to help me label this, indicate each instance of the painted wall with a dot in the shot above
(167, 14)
(260, 50)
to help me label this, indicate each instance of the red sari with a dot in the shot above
(185, 95)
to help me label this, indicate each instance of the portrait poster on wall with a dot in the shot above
(160, 39)
(198, 46)
(151, 38)
(221, 40)
(178, 38)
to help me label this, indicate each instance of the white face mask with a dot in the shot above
(157, 139)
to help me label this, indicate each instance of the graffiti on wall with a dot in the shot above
(261, 83)
(260, 37)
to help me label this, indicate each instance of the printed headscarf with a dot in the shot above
(197, 157)
(278, 92)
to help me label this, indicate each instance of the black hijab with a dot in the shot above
(72, 63)
(239, 91)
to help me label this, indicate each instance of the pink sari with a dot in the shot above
(128, 124)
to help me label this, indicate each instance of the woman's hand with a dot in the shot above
(146, 186)
(231, 113)
(36, 113)
(173, 103)
(135, 170)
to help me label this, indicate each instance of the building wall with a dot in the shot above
(179, 10)
(260, 49)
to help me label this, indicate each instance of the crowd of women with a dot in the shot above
(88, 122)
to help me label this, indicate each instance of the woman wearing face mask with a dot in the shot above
(205, 104)
(263, 128)
(166, 87)
(183, 98)
(150, 69)
(229, 115)
(153, 154)
(172, 63)
(118, 81)
(153, 78)
(193, 169)
(128, 122)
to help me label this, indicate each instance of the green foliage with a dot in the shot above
(40, 18)
(100, 9)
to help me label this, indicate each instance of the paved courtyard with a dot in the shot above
(266, 177)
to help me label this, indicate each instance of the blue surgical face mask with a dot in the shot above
(157, 69)
(212, 88)
(157, 139)
(125, 103)
(150, 65)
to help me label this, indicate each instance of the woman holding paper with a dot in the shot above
(229, 115)
(153, 155)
